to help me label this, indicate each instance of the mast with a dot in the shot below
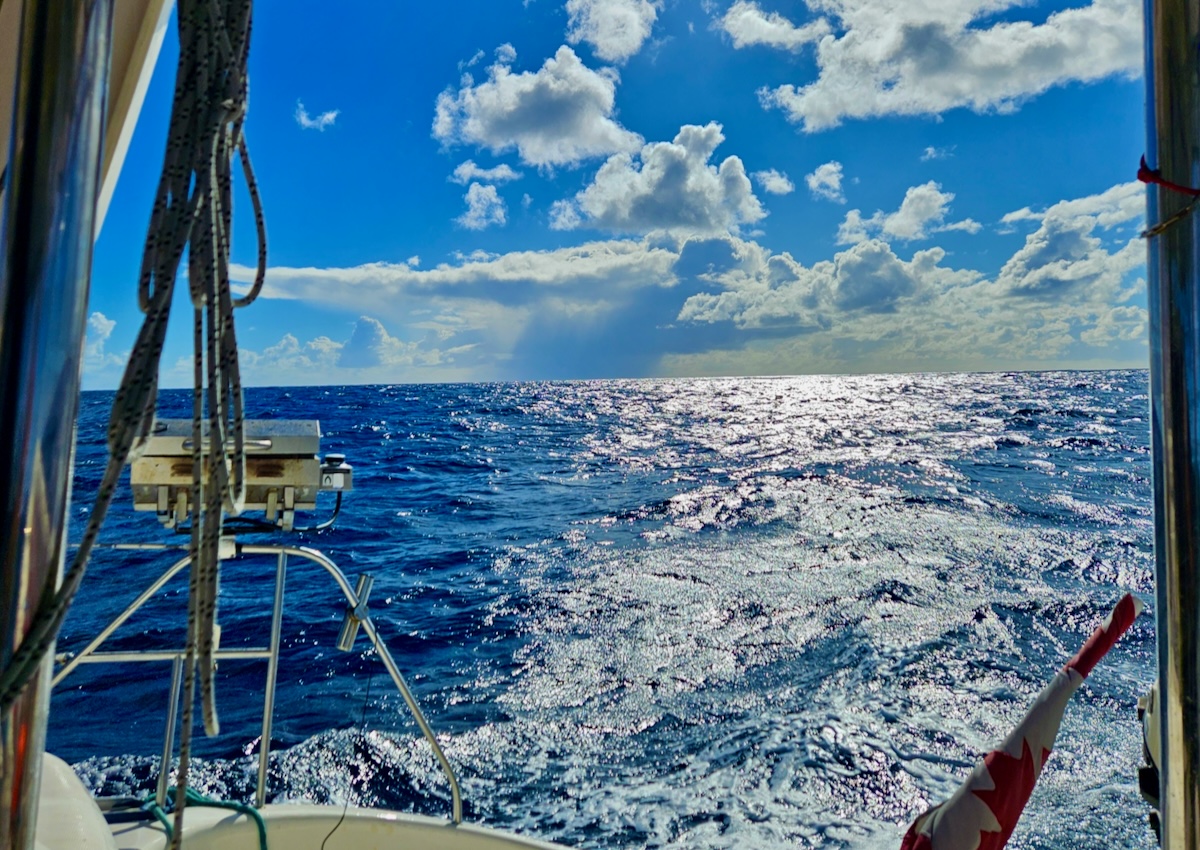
(49, 207)
(1173, 146)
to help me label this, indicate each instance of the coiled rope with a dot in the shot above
(193, 211)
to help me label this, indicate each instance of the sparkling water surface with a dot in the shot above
(752, 613)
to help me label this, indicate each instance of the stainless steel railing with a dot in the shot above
(47, 221)
(356, 608)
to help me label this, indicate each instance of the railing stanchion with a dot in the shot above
(418, 715)
(264, 744)
(388, 662)
(164, 771)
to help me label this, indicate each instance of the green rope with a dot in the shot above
(195, 798)
(159, 815)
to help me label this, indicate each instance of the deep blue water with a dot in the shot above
(691, 613)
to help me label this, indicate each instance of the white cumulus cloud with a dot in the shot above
(905, 58)
(1120, 323)
(472, 62)
(932, 153)
(564, 215)
(616, 29)
(826, 182)
(764, 290)
(99, 331)
(1122, 203)
(468, 171)
(506, 54)
(314, 356)
(747, 24)
(1065, 252)
(1061, 298)
(669, 186)
(100, 328)
(559, 115)
(774, 182)
(485, 207)
(371, 345)
(870, 276)
(371, 354)
(325, 119)
(591, 265)
(922, 212)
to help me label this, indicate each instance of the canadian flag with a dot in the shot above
(983, 812)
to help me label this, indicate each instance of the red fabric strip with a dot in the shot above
(1154, 177)
(1102, 639)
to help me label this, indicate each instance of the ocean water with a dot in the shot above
(751, 613)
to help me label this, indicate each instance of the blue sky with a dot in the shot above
(499, 189)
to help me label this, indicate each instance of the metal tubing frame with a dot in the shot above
(1173, 140)
(89, 655)
(264, 742)
(137, 655)
(384, 655)
(106, 632)
(164, 769)
(46, 230)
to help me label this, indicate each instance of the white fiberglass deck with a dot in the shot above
(299, 827)
(69, 819)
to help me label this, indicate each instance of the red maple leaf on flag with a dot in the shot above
(1014, 780)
